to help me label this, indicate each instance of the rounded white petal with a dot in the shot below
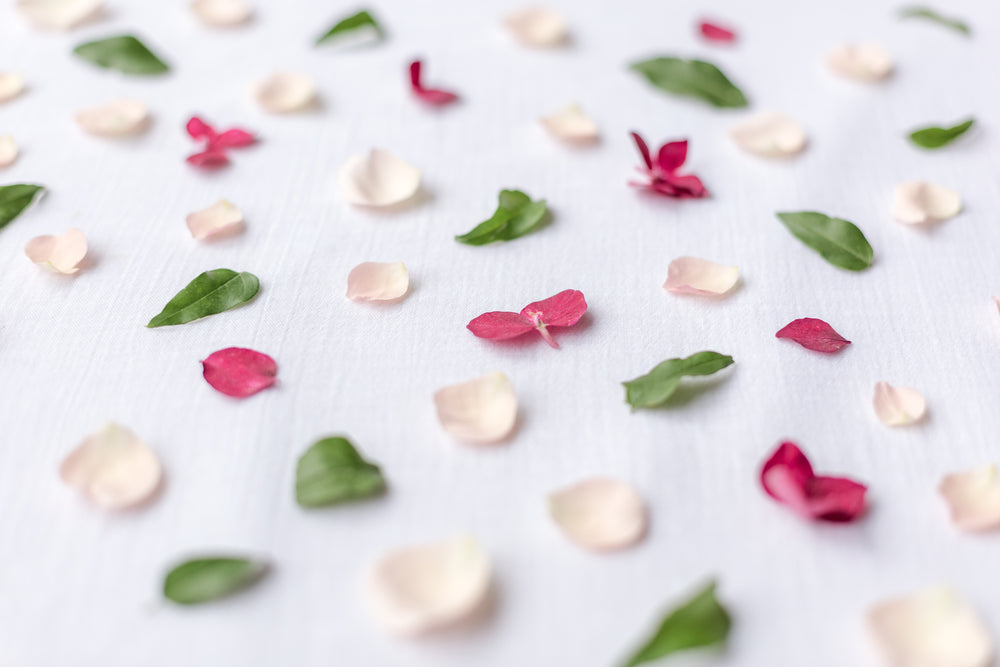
(61, 254)
(932, 628)
(572, 125)
(59, 14)
(429, 587)
(119, 118)
(862, 62)
(918, 203)
(769, 134)
(537, 26)
(483, 410)
(11, 85)
(378, 179)
(693, 275)
(285, 92)
(600, 513)
(8, 151)
(377, 281)
(973, 497)
(113, 468)
(222, 13)
(218, 220)
(898, 406)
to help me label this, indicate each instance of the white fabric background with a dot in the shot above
(81, 587)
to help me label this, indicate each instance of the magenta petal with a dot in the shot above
(239, 372)
(814, 334)
(672, 155)
(562, 310)
(716, 33)
(499, 325)
(788, 477)
(235, 138)
(210, 159)
(643, 150)
(432, 96)
(199, 129)
(688, 186)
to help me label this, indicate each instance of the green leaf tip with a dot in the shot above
(15, 199)
(933, 16)
(692, 78)
(124, 53)
(359, 21)
(657, 386)
(935, 137)
(837, 241)
(516, 215)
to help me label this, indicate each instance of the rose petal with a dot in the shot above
(378, 179)
(60, 254)
(536, 26)
(600, 513)
(919, 203)
(562, 310)
(572, 125)
(973, 496)
(716, 33)
(865, 62)
(8, 151)
(199, 129)
(692, 275)
(932, 628)
(11, 85)
(239, 372)
(234, 138)
(788, 477)
(210, 159)
(59, 14)
(898, 406)
(432, 96)
(769, 134)
(377, 281)
(222, 13)
(672, 156)
(499, 325)
(219, 220)
(119, 118)
(285, 92)
(813, 334)
(483, 410)
(113, 468)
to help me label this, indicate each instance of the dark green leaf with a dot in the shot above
(700, 622)
(838, 241)
(659, 384)
(210, 293)
(931, 15)
(362, 19)
(692, 78)
(936, 137)
(14, 199)
(332, 471)
(124, 53)
(204, 579)
(516, 215)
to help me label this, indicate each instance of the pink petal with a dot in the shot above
(562, 310)
(377, 281)
(113, 468)
(235, 138)
(8, 151)
(11, 85)
(600, 513)
(787, 476)
(688, 186)
(61, 254)
(499, 325)
(693, 275)
(219, 220)
(716, 33)
(285, 92)
(60, 14)
(222, 13)
(483, 410)
(210, 159)
(973, 497)
(898, 406)
(378, 179)
(432, 96)
(572, 125)
(239, 372)
(199, 129)
(813, 334)
(537, 26)
(643, 149)
(672, 156)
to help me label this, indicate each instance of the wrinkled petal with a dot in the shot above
(692, 275)
(378, 179)
(898, 406)
(222, 13)
(377, 281)
(60, 254)
(769, 135)
(11, 85)
(562, 310)
(119, 118)
(59, 14)
(572, 125)
(919, 203)
(219, 220)
(483, 410)
(672, 156)
(432, 96)
(536, 26)
(600, 513)
(716, 33)
(787, 476)
(865, 62)
(286, 92)
(239, 372)
(113, 469)
(813, 334)
(499, 325)
(8, 151)
(973, 497)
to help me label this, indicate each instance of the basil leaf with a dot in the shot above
(698, 623)
(516, 216)
(14, 199)
(210, 293)
(659, 384)
(838, 241)
(362, 19)
(332, 471)
(124, 53)
(204, 579)
(936, 137)
(931, 15)
(692, 78)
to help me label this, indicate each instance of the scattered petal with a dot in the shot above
(113, 468)
(600, 513)
(898, 406)
(919, 203)
(216, 143)
(483, 410)
(59, 254)
(864, 62)
(537, 26)
(572, 125)
(239, 372)
(222, 13)
(562, 310)
(60, 14)
(433, 96)
(973, 496)
(378, 179)
(120, 118)
(769, 134)
(662, 177)
(11, 85)
(716, 33)
(219, 220)
(8, 151)
(692, 275)
(286, 92)
(377, 281)
(813, 334)
(787, 476)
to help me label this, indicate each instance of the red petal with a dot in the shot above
(210, 159)
(239, 372)
(788, 477)
(499, 325)
(814, 334)
(235, 138)
(688, 186)
(643, 150)
(199, 129)
(415, 76)
(716, 33)
(433, 96)
(672, 155)
(562, 310)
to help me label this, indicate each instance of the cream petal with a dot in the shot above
(119, 118)
(378, 179)
(973, 497)
(692, 275)
(537, 26)
(11, 85)
(377, 281)
(60, 254)
(862, 62)
(600, 513)
(8, 151)
(60, 14)
(483, 410)
(572, 125)
(898, 406)
(429, 587)
(285, 92)
(222, 13)
(219, 220)
(113, 468)
(931, 628)
(769, 134)
(918, 203)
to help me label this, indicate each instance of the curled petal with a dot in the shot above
(672, 156)
(219, 220)
(222, 13)
(377, 281)
(285, 92)
(640, 143)
(11, 85)
(239, 372)
(788, 477)
(8, 151)
(716, 33)
(432, 96)
(572, 125)
(59, 14)
(199, 129)
(210, 159)
(483, 410)
(813, 334)
(771, 135)
(973, 497)
(113, 469)
(536, 26)
(119, 118)
(60, 254)
(919, 203)
(600, 513)
(499, 325)
(898, 406)
(865, 62)
(235, 138)
(692, 275)
(378, 179)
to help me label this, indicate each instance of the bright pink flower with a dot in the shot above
(239, 372)
(662, 175)
(813, 334)
(788, 478)
(562, 310)
(216, 143)
(433, 96)
(716, 33)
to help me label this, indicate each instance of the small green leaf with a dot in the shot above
(659, 384)
(936, 137)
(698, 623)
(124, 53)
(210, 293)
(361, 20)
(14, 199)
(332, 472)
(692, 78)
(204, 579)
(516, 216)
(838, 241)
(931, 15)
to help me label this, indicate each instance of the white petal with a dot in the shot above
(429, 587)
(600, 513)
(378, 179)
(219, 220)
(113, 468)
(285, 92)
(377, 281)
(483, 410)
(918, 203)
(60, 14)
(692, 275)
(61, 254)
(119, 118)
(932, 628)
(898, 406)
(769, 134)
(222, 13)
(11, 85)
(8, 151)
(864, 62)
(537, 26)
(973, 496)
(572, 125)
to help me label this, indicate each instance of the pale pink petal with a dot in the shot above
(119, 118)
(222, 13)
(973, 496)
(572, 125)
(864, 62)
(692, 275)
(113, 468)
(483, 410)
(61, 254)
(378, 179)
(600, 513)
(11, 85)
(931, 628)
(59, 14)
(8, 151)
(377, 281)
(918, 203)
(769, 134)
(429, 587)
(537, 26)
(285, 92)
(219, 220)
(898, 406)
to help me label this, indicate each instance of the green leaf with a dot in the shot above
(931, 15)
(210, 293)
(659, 384)
(936, 137)
(14, 199)
(692, 78)
(361, 20)
(204, 579)
(516, 215)
(124, 53)
(332, 472)
(700, 622)
(838, 241)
